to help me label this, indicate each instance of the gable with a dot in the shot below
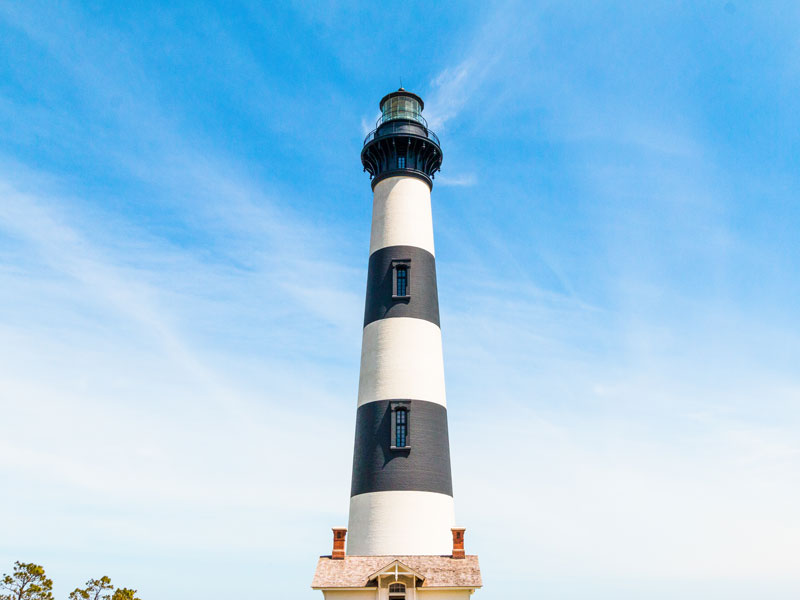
(431, 571)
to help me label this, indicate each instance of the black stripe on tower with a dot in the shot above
(423, 467)
(422, 301)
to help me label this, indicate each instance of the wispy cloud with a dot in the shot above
(129, 372)
(465, 180)
(368, 124)
(492, 43)
(451, 91)
(151, 375)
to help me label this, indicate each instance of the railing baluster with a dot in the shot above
(393, 128)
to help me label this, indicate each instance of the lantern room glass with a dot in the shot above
(401, 107)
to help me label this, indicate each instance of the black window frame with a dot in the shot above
(397, 265)
(401, 162)
(396, 407)
(401, 278)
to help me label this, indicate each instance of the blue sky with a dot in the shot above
(184, 229)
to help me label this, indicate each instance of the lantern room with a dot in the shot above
(402, 105)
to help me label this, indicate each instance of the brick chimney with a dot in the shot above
(339, 534)
(458, 542)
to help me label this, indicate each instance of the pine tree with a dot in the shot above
(28, 582)
(94, 590)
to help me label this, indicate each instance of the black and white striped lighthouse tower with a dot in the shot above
(401, 496)
(402, 543)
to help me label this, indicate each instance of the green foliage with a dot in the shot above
(28, 582)
(94, 590)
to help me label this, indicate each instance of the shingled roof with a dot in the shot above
(438, 571)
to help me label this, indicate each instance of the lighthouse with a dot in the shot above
(401, 541)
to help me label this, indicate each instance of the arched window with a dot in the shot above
(397, 591)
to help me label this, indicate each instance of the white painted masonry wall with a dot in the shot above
(401, 358)
(401, 523)
(401, 214)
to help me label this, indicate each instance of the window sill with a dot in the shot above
(399, 448)
(406, 297)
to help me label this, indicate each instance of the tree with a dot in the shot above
(124, 594)
(28, 582)
(94, 590)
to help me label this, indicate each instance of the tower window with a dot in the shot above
(397, 591)
(401, 270)
(402, 281)
(401, 162)
(400, 422)
(401, 418)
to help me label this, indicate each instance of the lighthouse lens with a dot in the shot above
(401, 107)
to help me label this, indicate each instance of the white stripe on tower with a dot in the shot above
(400, 523)
(401, 358)
(401, 214)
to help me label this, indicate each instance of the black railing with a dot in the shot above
(401, 114)
(389, 128)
